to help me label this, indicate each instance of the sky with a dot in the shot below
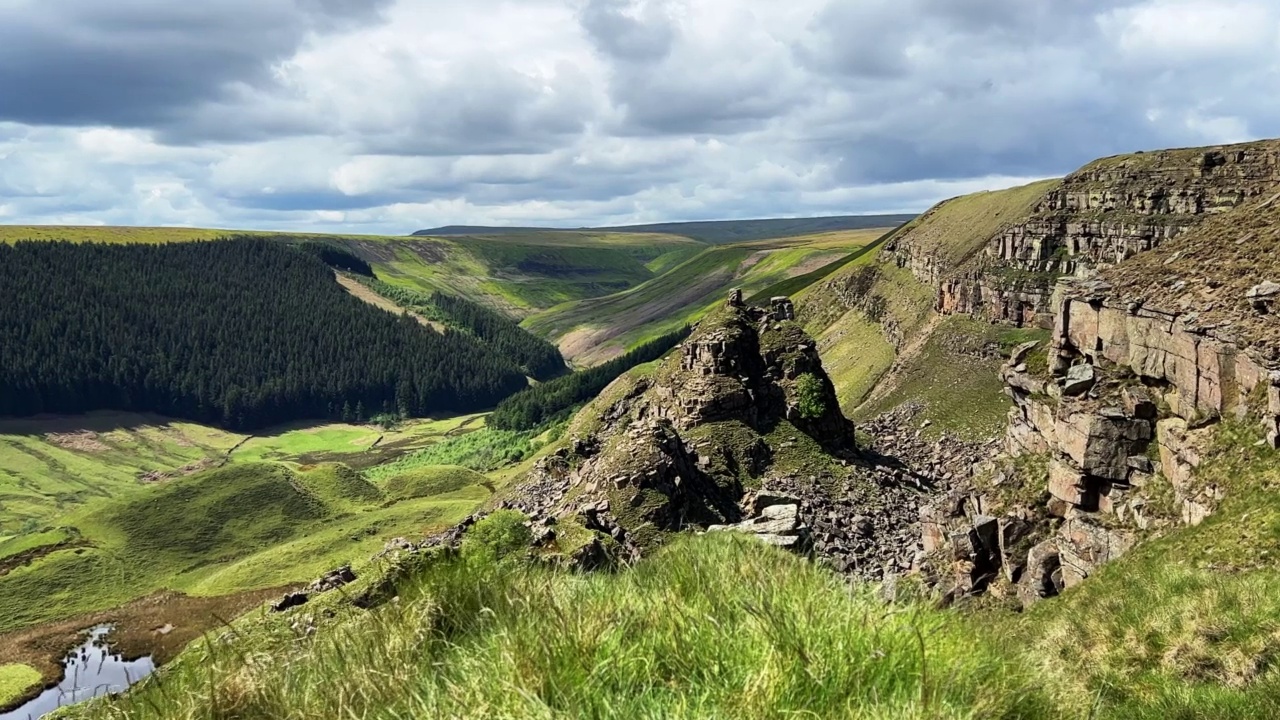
(387, 116)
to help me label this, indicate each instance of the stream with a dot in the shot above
(91, 670)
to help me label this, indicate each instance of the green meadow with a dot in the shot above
(592, 331)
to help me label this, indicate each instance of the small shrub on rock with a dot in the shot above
(497, 537)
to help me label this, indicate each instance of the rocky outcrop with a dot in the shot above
(697, 443)
(1103, 214)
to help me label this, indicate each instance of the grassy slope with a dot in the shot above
(954, 230)
(243, 527)
(593, 331)
(521, 274)
(70, 514)
(858, 351)
(854, 348)
(714, 627)
(1187, 626)
(50, 467)
(954, 376)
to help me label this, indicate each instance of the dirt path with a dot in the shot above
(362, 292)
(908, 353)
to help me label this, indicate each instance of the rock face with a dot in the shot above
(1121, 409)
(697, 443)
(1098, 216)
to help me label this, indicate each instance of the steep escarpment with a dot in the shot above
(1100, 215)
(996, 256)
(1147, 364)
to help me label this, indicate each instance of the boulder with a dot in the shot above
(1265, 289)
(1042, 577)
(1100, 443)
(333, 580)
(1079, 380)
(1069, 485)
(1021, 352)
(290, 600)
(774, 520)
(1085, 546)
(768, 498)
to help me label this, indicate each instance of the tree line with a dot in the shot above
(556, 399)
(538, 358)
(242, 333)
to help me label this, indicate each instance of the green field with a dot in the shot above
(49, 467)
(242, 527)
(592, 331)
(100, 510)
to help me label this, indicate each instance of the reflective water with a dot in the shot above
(92, 670)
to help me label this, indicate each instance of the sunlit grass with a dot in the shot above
(714, 627)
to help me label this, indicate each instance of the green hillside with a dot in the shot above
(592, 331)
(99, 511)
(875, 322)
(955, 229)
(719, 626)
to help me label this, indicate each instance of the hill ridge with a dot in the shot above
(715, 232)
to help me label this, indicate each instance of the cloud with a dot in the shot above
(392, 115)
(143, 63)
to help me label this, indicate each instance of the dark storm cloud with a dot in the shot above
(147, 63)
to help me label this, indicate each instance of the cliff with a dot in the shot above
(1100, 215)
(1112, 417)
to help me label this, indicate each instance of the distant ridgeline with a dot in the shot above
(536, 357)
(715, 232)
(242, 333)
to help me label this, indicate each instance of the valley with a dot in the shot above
(143, 521)
(1021, 426)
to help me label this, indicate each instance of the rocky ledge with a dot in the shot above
(1105, 213)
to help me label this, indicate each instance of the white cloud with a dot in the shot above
(297, 114)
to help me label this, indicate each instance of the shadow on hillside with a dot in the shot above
(100, 421)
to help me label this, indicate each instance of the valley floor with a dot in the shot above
(148, 523)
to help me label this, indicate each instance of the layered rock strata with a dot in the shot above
(1098, 216)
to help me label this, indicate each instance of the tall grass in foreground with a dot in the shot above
(714, 627)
